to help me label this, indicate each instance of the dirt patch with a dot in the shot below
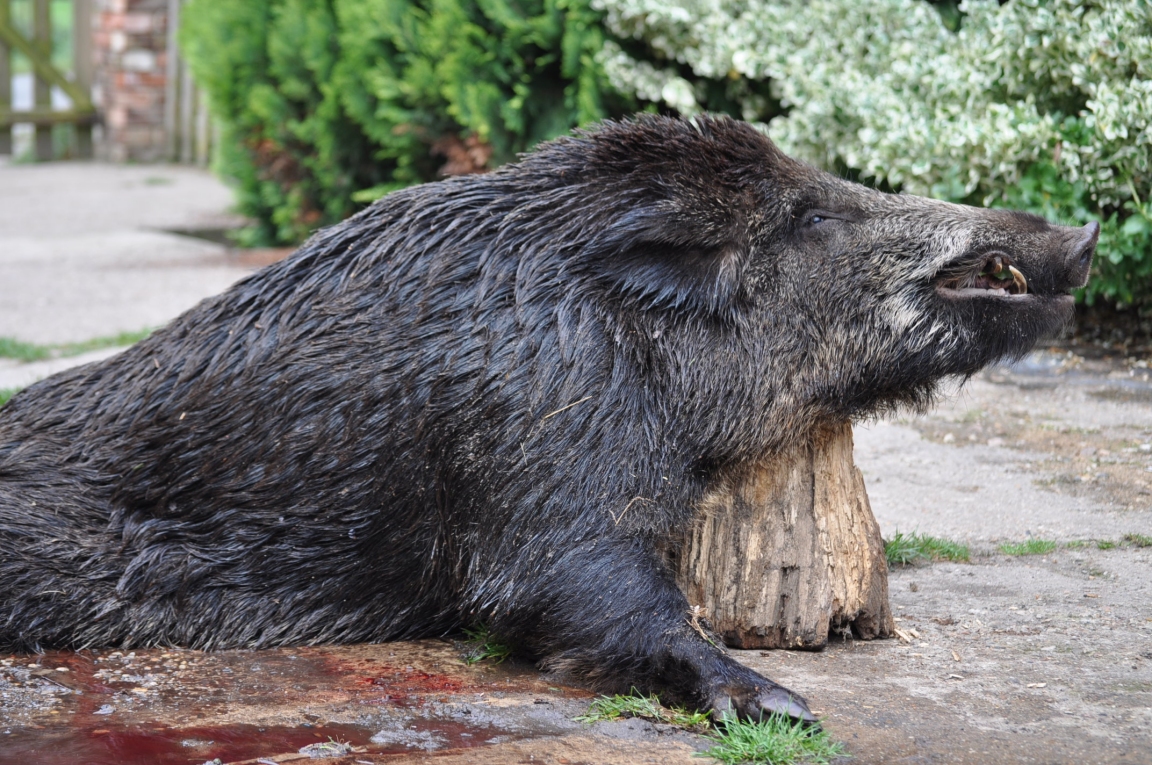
(1044, 407)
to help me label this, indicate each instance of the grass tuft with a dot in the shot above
(11, 348)
(7, 393)
(906, 549)
(482, 645)
(1031, 547)
(773, 741)
(1104, 544)
(100, 343)
(607, 708)
(1140, 540)
(776, 740)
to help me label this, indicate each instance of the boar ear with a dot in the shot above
(658, 257)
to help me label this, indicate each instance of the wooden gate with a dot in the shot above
(26, 48)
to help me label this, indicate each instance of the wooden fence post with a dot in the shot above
(191, 130)
(187, 115)
(5, 78)
(171, 77)
(42, 90)
(82, 68)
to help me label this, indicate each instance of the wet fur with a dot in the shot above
(487, 400)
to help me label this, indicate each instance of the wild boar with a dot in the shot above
(489, 399)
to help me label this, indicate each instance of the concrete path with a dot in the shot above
(1035, 450)
(86, 249)
(1044, 658)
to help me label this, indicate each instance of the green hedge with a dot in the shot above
(328, 104)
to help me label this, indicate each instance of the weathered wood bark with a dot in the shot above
(789, 552)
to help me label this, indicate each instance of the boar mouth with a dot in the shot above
(990, 274)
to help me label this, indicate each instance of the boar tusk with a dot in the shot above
(1019, 280)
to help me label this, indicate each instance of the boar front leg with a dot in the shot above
(609, 611)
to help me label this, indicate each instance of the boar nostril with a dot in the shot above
(1086, 244)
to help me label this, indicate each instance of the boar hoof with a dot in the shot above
(760, 702)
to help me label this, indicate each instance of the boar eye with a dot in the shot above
(814, 218)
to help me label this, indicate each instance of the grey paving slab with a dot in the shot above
(17, 374)
(1031, 451)
(980, 495)
(87, 250)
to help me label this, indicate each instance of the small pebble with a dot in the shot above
(326, 749)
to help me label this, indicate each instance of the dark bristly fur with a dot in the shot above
(488, 399)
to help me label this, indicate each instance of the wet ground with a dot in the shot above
(372, 703)
(1034, 659)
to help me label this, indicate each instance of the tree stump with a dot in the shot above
(788, 552)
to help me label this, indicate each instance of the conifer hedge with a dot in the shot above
(328, 104)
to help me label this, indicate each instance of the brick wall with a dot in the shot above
(130, 47)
